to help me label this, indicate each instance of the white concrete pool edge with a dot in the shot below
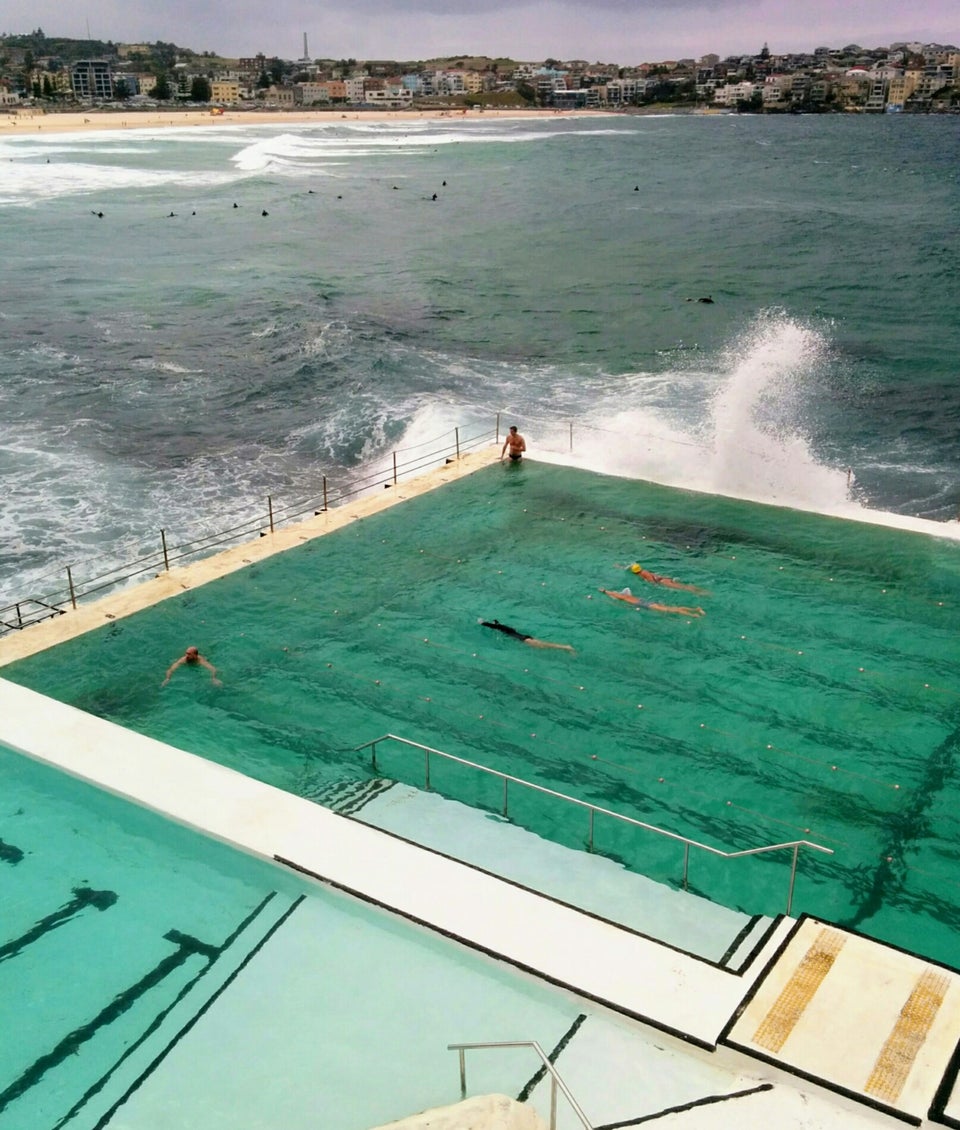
(632, 974)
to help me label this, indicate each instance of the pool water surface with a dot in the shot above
(816, 699)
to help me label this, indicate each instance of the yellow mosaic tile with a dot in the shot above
(816, 963)
(905, 1041)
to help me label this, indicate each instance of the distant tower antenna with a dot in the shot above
(306, 53)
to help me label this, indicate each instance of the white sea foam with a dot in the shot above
(153, 365)
(731, 432)
(25, 184)
(742, 447)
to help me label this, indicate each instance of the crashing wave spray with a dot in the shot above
(744, 444)
(756, 451)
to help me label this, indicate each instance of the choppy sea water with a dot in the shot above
(177, 359)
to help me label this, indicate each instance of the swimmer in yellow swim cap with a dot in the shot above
(659, 579)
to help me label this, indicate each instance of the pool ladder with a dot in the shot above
(556, 1083)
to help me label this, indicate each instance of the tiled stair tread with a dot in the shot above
(861, 1016)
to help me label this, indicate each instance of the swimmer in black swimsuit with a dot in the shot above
(513, 633)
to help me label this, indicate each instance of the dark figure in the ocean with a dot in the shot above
(192, 658)
(444, 184)
(99, 215)
(433, 197)
(514, 634)
(264, 213)
(707, 300)
(235, 204)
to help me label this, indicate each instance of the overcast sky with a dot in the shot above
(622, 31)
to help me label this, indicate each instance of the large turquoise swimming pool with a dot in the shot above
(817, 698)
(150, 977)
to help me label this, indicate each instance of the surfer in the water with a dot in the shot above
(514, 634)
(627, 596)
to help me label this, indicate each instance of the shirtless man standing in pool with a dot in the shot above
(516, 443)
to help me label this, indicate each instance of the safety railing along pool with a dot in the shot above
(596, 810)
(402, 463)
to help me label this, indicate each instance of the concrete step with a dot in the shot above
(599, 886)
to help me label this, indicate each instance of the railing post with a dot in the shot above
(590, 837)
(686, 863)
(793, 876)
(163, 542)
(270, 510)
(457, 434)
(394, 468)
(571, 435)
(426, 758)
(505, 784)
(73, 595)
(463, 1073)
(498, 428)
(553, 1102)
(325, 492)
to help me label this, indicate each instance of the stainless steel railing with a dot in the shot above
(556, 1083)
(387, 472)
(595, 810)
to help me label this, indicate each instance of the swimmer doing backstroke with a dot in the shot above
(627, 596)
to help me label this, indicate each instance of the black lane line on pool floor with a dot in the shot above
(82, 898)
(215, 952)
(541, 1072)
(707, 1100)
(186, 947)
(155, 1063)
(905, 830)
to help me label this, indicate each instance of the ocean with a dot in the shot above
(195, 318)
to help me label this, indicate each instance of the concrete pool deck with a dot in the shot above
(863, 1030)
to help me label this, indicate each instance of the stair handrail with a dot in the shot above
(595, 809)
(556, 1082)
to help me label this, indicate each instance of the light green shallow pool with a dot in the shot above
(817, 699)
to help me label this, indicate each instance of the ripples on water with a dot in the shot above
(172, 371)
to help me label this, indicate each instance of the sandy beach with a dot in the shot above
(31, 121)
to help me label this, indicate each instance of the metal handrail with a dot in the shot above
(56, 602)
(595, 809)
(556, 1082)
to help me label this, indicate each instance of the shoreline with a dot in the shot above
(31, 122)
